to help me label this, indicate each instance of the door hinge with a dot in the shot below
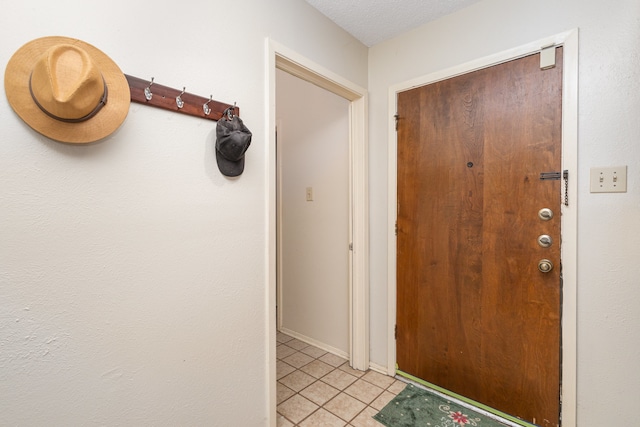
(395, 332)
(396, 228)
(351, 246)
(397, 117)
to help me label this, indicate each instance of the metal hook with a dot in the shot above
(147, 91)
(230, 111)
(179, 101)
(205, 107)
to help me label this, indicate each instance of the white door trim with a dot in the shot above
(281, 57)
(569, 226)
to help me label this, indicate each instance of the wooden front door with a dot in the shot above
(475, 314)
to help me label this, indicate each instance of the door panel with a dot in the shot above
(475, 314)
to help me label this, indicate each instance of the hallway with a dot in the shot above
(316, 388)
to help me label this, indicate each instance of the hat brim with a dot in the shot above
(108, 119)
(228, 167)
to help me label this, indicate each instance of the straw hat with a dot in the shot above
(67, 89)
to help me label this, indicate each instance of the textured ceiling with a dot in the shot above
(374, 21)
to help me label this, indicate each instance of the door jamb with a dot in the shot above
(281, 57)
(569, 40)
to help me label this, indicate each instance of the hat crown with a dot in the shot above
(66, 82)
(233, 138)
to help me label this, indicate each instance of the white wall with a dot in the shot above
(313, 147)
(132, 273)
(609, 135)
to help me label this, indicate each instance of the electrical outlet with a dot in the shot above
(609, 180)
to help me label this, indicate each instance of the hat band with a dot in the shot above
(101, 103)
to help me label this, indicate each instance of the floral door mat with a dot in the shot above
(415, 406)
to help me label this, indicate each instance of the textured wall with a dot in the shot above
(132, 273)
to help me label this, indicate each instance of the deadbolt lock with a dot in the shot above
(545, 266)
(545, 214)
(545, 240)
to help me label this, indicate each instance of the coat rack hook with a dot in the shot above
(205, 106)
(173, 99)
(147, 91)
(231, 111)
(179, 101)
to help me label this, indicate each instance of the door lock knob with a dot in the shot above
(545, 214)
(545, 266)
(545, 240)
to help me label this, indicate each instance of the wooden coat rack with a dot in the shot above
(150, 93)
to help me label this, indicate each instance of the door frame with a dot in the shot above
(281, 57)
(569, 225)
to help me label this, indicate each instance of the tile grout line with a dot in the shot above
(334, 368)
(367, 405)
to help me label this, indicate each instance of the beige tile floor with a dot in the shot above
(316, 388)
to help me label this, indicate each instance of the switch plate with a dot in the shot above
(609, 179)
(309, 193)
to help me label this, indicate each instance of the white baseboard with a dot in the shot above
(315, 343)
(373, 366)
(378, 368)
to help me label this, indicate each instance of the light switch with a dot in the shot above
(609, 179)
(309, 194)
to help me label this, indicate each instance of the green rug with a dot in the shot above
(415, 407)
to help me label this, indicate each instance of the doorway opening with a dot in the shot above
(569, 42)
(313, 214)
(282, 58)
